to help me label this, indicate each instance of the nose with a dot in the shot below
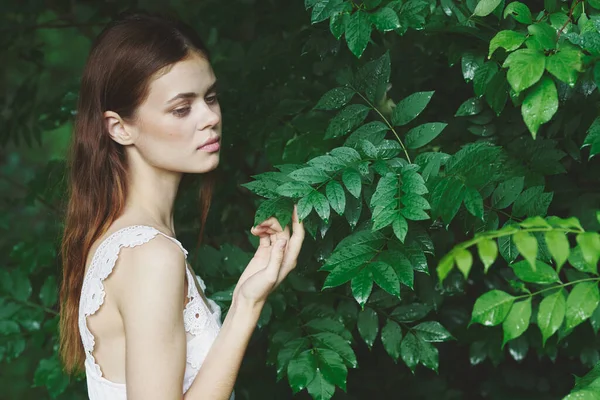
(209, 117)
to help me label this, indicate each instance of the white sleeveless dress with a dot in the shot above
(200, 324)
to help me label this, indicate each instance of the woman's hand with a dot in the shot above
(276, 256)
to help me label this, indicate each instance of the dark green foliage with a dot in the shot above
(415, 137)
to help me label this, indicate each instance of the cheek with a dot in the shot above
(166, 141)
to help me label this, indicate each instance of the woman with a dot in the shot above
(132, 313)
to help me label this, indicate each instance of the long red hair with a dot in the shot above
(123, 59)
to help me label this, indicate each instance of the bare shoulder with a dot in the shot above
(155, 268)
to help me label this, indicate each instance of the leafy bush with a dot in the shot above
(409, 133)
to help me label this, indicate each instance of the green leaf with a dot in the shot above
(488, 251)
(323, 9)
(473, 202)
(542, 274)
(337, 343)
(583, 395)
(368, 325)
(483, 76)
(541, 37)
(335, 98)
(551, 314)
(517, 321)
(593, 137)
(373, 77)
(385, 276)
(470, 62)
(414, 350)
(492, 308)
(507, 192)
(301, 370)
(358, 32)
(446, 198)
(362, 285)
(338, 22)
(507, 246)
(9, 328)
(525, 68)
(352, 181)
(49, 374)
(347, 271)
(519, 11)
(540, 105)
(485, 7)
(558, 245)
(409, 350)
(581, 303)
(432, 331)
(385, 19)
(531, 201)
(320, 388)
(400, 227)
(508, 40)
(410, 107)
(472, 106)
(346, 155)
(21, 285)
(589, 242)
(421, 135)
(373, 131)
(309, 175)
(326, 163)
(304, 208)
(320, 204)
(496, 93)
(464, 261)
(371, 4)
(336, 196)
(410, 312)
(391, 337)
(527, 245)
(332, 366)
(355, 249)
(445, 266)
(49, 292)
(346, 120)
(294, 189)
(566, 64)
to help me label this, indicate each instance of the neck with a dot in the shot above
(151, 194)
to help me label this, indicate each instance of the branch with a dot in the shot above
(387, 123)
(570, 19)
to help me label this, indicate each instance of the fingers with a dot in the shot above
(294, 245)
(275, 261)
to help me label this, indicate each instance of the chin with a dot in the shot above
(206, 166)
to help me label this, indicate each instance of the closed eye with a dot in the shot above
(212, 99)
(181, 112)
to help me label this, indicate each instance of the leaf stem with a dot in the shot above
(502, 212)
(558, 286)
(500, 233)
(35, 305)
(569, 20)
(387, 123)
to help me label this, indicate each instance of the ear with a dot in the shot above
(117, 129)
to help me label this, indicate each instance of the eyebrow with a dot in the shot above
(192, 95)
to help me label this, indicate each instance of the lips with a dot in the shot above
(210, 141)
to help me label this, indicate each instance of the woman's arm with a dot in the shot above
(150, 295)
(275, 257)
(216, 378)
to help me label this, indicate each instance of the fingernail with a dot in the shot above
(281, 242)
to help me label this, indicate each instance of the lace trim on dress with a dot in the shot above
(103, 262)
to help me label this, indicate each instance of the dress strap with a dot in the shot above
(102, 264)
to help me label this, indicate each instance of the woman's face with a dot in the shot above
(180, 114)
